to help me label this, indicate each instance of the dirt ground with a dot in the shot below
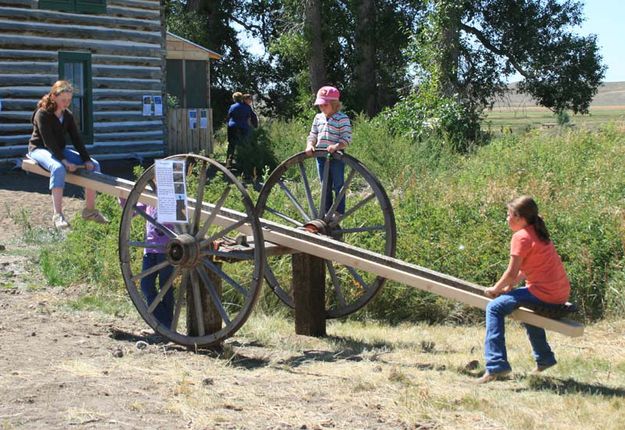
(61, 368)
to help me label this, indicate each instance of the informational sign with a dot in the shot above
(147, 105)
(158, 106)
(203, 118)
(192, 118)
(171, 191)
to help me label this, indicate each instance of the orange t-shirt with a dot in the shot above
(541, 265)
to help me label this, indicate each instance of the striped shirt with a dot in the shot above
(329, 131)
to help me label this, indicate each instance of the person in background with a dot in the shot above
(533, 258)
(249, 100)
(331, 130)
(51, 122)
(241, 117)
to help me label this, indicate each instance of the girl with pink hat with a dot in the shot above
(331, 130)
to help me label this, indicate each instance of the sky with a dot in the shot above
(606, 19)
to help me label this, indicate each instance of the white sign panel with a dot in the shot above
(158, 106)
(147, 105)
(203, 118)
(192, 118)
(171, 191)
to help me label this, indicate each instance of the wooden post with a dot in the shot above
(309, 294)
(211, 318)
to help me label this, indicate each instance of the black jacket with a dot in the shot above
(49, 133)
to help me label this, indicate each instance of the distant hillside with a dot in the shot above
(610, 94)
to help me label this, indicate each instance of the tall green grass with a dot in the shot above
(450, 212)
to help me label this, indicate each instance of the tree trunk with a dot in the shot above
(449, 45)
(314, 36)
(366, 80)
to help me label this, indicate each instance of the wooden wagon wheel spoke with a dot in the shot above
(211, 218)
(179, 299)
(225, 277)
(358, 278)
(368, 222)
(164, 289)
(214, 284)
(197, 302)
(285, 217)
(358, 205)
(294, 201)
(309, 196)
(151, 270)
(163, 229)
(336, 283)
(199, 198)
(214, 296)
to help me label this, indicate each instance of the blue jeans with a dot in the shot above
(57, 170)
(495, 344)
(336, 179)
(164, 312)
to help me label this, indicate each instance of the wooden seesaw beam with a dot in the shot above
(329, 249)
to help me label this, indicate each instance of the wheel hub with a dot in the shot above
(317, 226)
(183, 251)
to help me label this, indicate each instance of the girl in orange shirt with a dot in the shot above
(534, 259)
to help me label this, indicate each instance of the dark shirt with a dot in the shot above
(241, 115)
(49, 133)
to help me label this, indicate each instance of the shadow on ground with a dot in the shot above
(570, 386)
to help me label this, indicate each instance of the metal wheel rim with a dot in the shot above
(191, 277)
(352, 164)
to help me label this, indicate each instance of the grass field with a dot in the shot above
(522, 118)
(518, 112)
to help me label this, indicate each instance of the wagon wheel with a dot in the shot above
(293, 195)
(215, 277)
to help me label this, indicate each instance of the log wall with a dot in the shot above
(127, 46)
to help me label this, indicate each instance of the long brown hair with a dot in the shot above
(526, 208)
(57, 89)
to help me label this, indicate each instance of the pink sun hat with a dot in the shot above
(327, 94)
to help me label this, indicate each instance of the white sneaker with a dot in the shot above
(60, 223)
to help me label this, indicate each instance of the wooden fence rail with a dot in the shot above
(183, 138)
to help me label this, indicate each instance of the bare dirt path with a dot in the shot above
(57, 366)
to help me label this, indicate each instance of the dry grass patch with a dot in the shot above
(374, 376)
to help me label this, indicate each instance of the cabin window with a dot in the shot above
(76, 68)
(79, 6)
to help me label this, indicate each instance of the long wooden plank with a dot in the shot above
(321, 246)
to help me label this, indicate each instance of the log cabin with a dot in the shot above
(115, 54)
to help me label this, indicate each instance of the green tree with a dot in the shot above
(466, 52)
(315, 43)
